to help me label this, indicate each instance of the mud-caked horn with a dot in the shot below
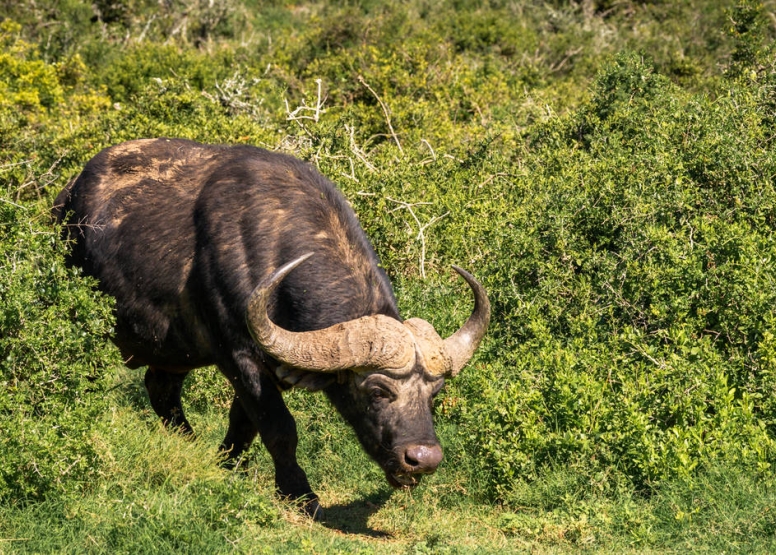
(371, 342)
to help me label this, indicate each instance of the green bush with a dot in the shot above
(53, 356)
(53, 328)
(636, 287)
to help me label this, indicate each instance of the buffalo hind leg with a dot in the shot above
(164, 391)
(240, 434)
(263, 404)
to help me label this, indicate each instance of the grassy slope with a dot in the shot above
(469, 89)
(158, 493)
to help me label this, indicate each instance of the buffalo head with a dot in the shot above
(388, 373)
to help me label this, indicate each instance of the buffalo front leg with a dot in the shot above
(164, 391)
(263, 405)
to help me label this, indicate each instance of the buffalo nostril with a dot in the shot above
(423, 458)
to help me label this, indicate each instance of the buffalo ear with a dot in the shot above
(315, 381)
(311, 381)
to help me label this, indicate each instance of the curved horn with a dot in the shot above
(462, 344)
(369, 342)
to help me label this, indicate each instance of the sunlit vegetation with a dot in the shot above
(607, 169)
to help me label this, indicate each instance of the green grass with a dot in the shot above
(157, 492)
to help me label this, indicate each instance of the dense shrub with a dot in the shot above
(52, 360)
(52, 326)
(636, 285)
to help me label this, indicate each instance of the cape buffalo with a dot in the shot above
(205, 249)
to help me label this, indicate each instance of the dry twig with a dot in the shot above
(421, 228)
(385, 111)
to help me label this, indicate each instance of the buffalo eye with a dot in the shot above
(379, 395)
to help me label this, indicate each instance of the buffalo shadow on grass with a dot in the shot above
(352, 518)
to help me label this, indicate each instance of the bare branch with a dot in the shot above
(425, 142)
(385, 111)
(421, 227)
(301, 112)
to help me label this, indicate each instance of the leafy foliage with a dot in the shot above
(52, 355)
(641, 298)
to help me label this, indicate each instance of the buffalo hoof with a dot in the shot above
(234, 464)
(313, 509)
(306, 504)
